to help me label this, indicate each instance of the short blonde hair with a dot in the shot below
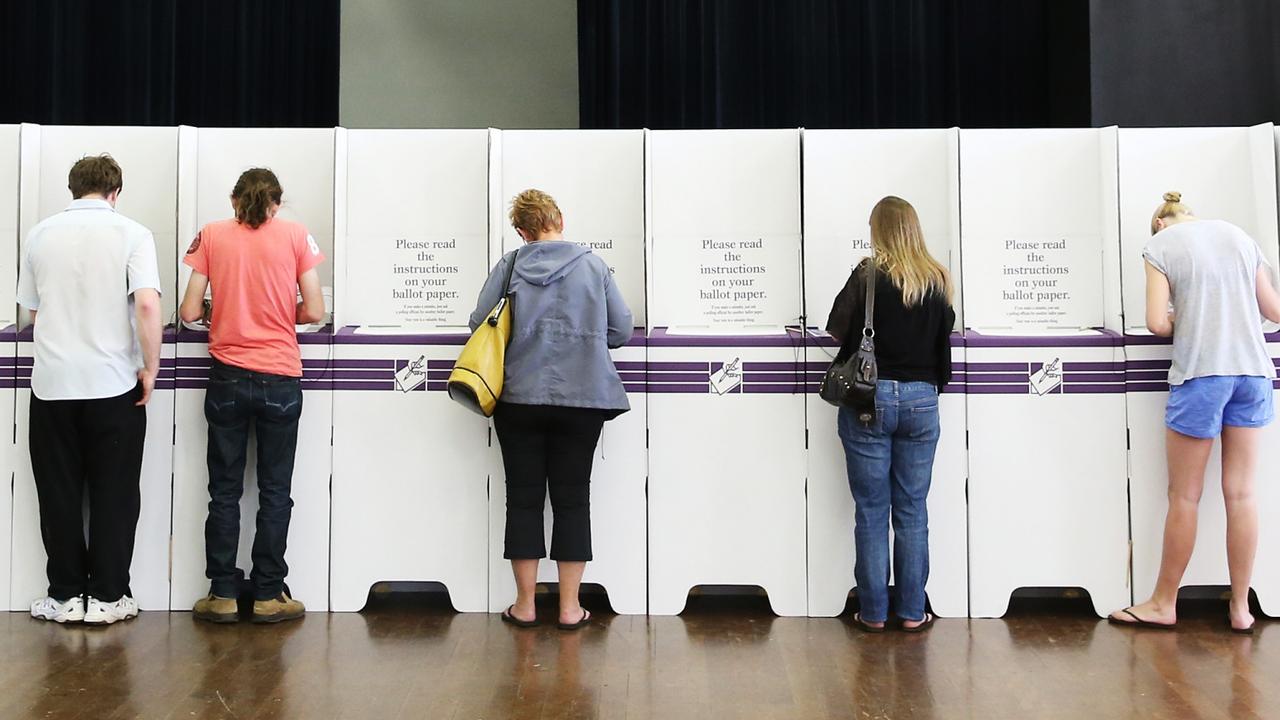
(1171, 206)
(535, 212)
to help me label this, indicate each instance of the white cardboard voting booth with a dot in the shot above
(726, 409)
(410, 465)
(10, 152)
(303, 162)
(148, 157)
(1045, 366)
(1226, 174)
(597, 179)
(846, 172)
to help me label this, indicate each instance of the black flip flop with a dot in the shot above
(924, 624)
(586, 618)
(1139, 622)
(1242, 631)
(507, 617)
(866, 627)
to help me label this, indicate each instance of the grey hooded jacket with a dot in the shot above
(566, 313)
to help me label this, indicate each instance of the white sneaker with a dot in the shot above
(46, 608)
(100, 613)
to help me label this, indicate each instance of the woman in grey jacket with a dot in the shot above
(559, 388)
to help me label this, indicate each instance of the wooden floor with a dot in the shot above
(724, 658)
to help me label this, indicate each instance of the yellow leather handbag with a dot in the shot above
(476, 380)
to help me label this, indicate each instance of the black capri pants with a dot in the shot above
(547, 446)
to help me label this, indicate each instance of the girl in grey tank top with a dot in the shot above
(1219, 286)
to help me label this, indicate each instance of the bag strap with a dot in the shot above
(506, 288)
(506, 292)
(869, 311)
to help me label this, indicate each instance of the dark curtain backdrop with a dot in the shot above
(833, 63)
(165, 62)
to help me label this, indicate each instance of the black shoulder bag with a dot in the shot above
(852, 383)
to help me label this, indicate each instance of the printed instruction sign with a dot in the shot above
(1034, 283)
(727, 282)
(417, 280)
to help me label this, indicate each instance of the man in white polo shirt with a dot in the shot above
(88, 275)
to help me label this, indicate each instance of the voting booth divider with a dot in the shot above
(726, 491)
(10, 159)
(410, 465)
(1227, 173)
(1044, 369)
(728, 469)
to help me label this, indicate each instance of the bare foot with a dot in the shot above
(1149, 611)
(1241, 618)
(525, 612)
(568, 616)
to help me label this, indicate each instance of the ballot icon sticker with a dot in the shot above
(1048, 378)
(728, 377)
(412, 374)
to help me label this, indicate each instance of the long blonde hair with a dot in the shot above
(899, 251)
(1171, 207)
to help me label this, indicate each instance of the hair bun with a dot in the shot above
(1173, 197)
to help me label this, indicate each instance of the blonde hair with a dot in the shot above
(535, 212)
(1171, 206)
(899, 251)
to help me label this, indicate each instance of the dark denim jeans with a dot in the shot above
(273, 403)
(890, 466)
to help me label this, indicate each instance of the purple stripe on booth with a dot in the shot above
(635, 387)
(386, 374)
(1146, 340)
(1148, 364)
(368, 385)
(361, 363)
(639, 377)
(630, 364)
(972, 389)
(979, 367)
(1147, 387)
(1093, 389)
(1152, 375)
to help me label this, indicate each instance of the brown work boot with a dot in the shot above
(216, 609)
(278, 609)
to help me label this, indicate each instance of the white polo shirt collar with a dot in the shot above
(90, 204)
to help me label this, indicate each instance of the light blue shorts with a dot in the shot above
(1200, 407)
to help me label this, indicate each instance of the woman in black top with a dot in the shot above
(890, 459)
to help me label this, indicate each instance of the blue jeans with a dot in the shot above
(890, 466)
(273, 403)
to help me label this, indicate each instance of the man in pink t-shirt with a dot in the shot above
(257, 264)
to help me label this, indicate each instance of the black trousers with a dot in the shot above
(548, 447)
(93, 444)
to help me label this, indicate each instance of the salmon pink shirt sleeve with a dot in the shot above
(197, 257)
(308, 253)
